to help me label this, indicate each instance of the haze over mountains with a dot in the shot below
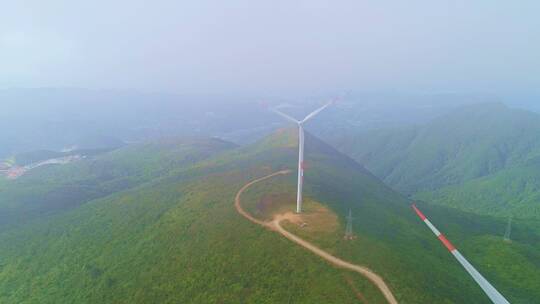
(56, 118)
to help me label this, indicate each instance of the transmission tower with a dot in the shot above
(348, 231)
(508, 230)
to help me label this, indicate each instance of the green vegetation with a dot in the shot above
(510, 192)
(173, 235)
(50, 189)
(174, 239)
(483, 158)
(397, 245)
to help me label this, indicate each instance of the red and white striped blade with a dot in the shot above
(490, 291)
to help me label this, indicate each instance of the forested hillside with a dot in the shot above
(480, 158)
(174, 236)
(56, 188)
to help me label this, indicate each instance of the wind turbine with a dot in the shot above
(300, 124)
(488, 289)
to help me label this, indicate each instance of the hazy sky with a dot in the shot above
(252, 46)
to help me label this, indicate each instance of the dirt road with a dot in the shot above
(276, 226)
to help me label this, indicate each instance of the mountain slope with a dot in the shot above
(479, 149)
(175, 239)
(178, 238)
(54, 188)
(509, 192)
(387, 226)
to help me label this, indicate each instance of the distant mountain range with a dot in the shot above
(59, 118)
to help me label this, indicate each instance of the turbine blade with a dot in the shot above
(312, 114)
(284, 115)
(488, 289)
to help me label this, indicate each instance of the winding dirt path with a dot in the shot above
(275, 225)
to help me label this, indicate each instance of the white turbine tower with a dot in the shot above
(300, 124)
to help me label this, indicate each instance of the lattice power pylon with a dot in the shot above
(349, 231)
(508, 230)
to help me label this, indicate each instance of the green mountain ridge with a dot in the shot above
(176, 238)
(480, 158)
(54, 188)
(513, 192)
